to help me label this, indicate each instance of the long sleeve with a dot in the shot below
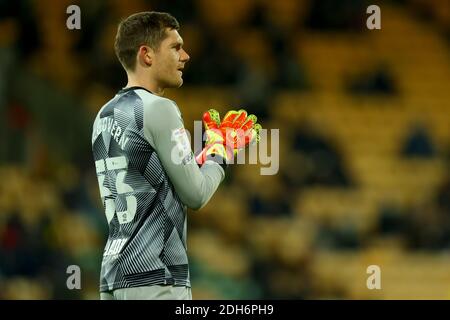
(164, 129)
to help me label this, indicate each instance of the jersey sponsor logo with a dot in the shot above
(182, 152)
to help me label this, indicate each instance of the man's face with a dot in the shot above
(169, 60)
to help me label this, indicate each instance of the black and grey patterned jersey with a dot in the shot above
(147, 178)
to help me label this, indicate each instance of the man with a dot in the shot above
(146, 170)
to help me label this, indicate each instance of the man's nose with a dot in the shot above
(184, 56)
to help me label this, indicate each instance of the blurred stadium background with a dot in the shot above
(364, 146)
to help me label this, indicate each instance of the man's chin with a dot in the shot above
(179, 83)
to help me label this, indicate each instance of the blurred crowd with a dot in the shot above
(364, 141)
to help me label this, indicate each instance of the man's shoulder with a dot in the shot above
(150, 99)
(158, 106)
(101, 111)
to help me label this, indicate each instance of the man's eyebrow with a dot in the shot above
(178, 43)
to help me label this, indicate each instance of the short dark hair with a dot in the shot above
(141, 28)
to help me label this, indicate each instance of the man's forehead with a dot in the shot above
(173, 36)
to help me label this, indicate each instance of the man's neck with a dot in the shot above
(135, 81)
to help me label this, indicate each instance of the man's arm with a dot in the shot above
(164, 130)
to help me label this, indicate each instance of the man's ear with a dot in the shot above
(145, 56)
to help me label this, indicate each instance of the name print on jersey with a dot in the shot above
(109, 125)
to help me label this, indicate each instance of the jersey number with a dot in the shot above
(116, 163)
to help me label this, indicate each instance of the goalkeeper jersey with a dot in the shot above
(147, 178)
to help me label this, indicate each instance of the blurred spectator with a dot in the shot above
(391, 220)
(93, 23)
(28, 39)
(428, 228)
(271, 207)
(182, 9)
(254, 90)
(291, 75)
(319, 161)
(443, 196)
(286, 272)
(345, 15)
(339, 237)
(374, 82)
(215, 64)
(418, 143)
(17, 130)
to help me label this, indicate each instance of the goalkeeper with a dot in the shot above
(146, 170)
